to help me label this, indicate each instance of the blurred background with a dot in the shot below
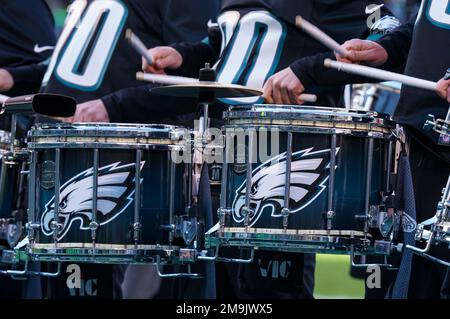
(333, 279)
(403, 9)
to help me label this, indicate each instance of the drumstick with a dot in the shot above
(139, 46)
(320, 36)
(3, 98)
(380, 74)
(165, 79)
(180, 80)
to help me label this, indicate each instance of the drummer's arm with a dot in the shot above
(311, 70)
(195, 55)
(21, 80)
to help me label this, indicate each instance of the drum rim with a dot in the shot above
(306, 113)
(105, 134)
(378, 134)
(103, 129)
(61, 125)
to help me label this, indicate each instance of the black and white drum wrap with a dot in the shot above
(318, 192)
(117, 190)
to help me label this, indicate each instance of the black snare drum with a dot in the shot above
(117, 190)
(304, 179)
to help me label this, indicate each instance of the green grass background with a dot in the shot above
(333, 279)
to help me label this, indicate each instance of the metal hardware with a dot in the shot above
(227, 260)
(55, 224)
(26, 272)
(285, 212)
(247, 211)
(175, 275)
(137, 197)
(94, 224)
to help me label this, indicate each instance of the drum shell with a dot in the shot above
(158, 187)
(349, 189)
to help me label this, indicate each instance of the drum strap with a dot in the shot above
(400, 288)
(206, 206)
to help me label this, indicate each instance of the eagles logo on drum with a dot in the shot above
(115, 194)
(309, 173)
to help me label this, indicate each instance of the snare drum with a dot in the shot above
(118, 193)
(304, 179)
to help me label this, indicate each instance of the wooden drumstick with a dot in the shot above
(382, 75)
(309, 98)
(165, 79)
(139, 46)
(3, 98)
(180, 80)
(320, 36)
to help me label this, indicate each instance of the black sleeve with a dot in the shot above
(139, 105)
(195, 55)
(186, 20)
(311, 71)
(397, 45)
(27, 78)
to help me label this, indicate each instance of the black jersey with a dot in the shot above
(424, 44)
(26, 40)
(259, 38)
(92, 57)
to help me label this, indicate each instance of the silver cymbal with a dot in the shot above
(218, 90)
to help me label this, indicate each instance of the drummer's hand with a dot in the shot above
(163, 58)
(363, 52)
(283, 88)
(92, 111)
(6, 81)
(443, 89)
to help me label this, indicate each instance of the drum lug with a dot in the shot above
(32, 226)
(93, 225)
(222, 214)
(285, 212)
(169, 227)
(330, 217)
(55, 226)
(247, 212)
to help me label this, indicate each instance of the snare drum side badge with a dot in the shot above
(116, 187)
(309, 173)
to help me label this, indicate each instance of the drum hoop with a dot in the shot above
(94, 132)
(375, 132)
(299, 232)
(96, 126)
(306, 113)
(97, 246)
(108, 143)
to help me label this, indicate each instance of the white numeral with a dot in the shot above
(253, 48)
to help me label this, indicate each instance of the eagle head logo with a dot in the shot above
(115, 193)
(309, 172)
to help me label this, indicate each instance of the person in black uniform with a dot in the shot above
(419, 48)
(342, 19)
(26, 42)
(274, 45)
(156, 22)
